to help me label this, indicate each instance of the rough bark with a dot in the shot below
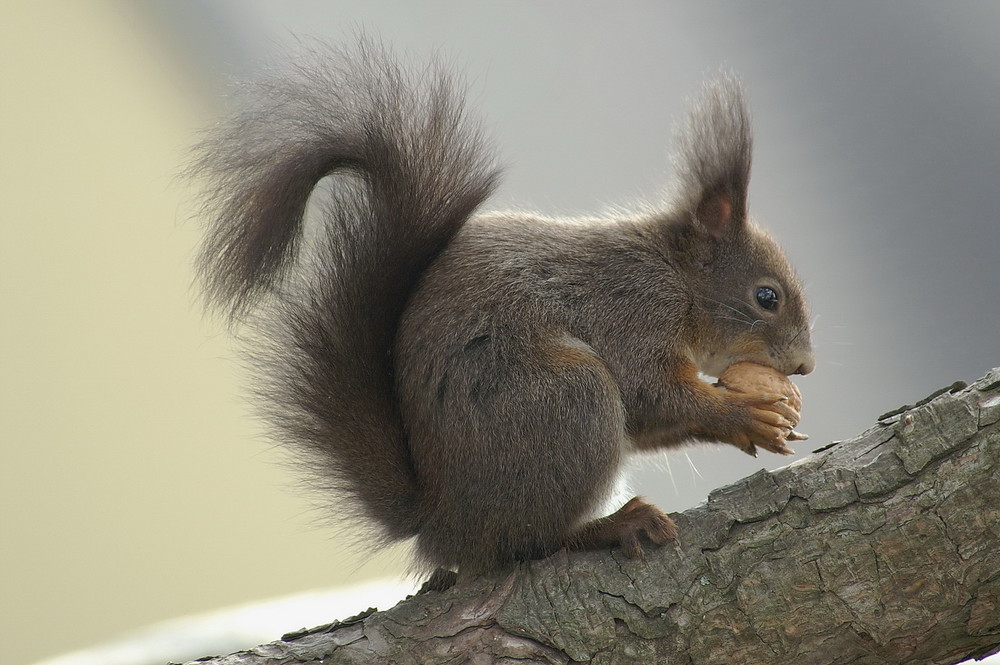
(881, 549)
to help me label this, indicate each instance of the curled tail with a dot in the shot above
(408, 169)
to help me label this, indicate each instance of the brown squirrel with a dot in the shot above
(476, 380)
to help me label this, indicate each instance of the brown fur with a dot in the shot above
(476, 380)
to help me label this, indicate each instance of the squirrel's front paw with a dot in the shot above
(768, 404)
(768, 422)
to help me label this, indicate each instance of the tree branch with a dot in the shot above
(882, 549)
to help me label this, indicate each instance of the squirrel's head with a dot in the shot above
(747, 302)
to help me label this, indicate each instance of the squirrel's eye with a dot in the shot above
(767, 298)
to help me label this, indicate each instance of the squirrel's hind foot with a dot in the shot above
(441, 579)
(627, 527)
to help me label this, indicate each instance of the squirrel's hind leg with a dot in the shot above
(521, 444)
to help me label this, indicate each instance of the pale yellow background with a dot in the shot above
(134, 486)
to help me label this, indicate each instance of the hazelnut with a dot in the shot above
(747, 377)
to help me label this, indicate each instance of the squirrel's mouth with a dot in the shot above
(713, 364)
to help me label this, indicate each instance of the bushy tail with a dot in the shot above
(408, 170)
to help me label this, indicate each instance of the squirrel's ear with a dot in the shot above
(719, 212)
(713, 158)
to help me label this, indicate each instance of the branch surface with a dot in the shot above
(878, 550)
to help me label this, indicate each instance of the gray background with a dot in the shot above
(876, 165)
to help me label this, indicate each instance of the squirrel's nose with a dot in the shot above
(806, 367)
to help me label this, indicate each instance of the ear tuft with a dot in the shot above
(712, 162)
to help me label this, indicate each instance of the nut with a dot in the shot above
(747, 377)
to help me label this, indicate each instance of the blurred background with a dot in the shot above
(136, 485)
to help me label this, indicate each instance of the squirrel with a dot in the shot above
(475, 380)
